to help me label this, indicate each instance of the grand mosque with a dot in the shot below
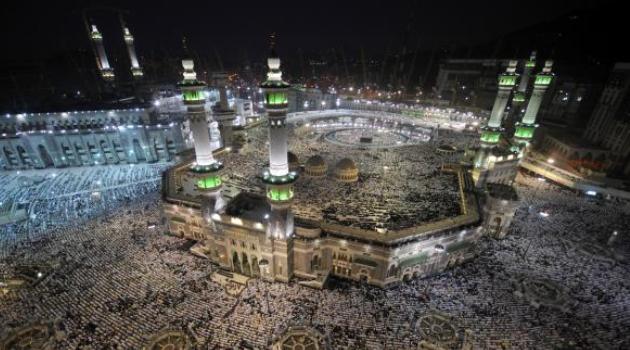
(373, 197)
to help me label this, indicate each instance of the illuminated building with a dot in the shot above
(87, 138)
(609, 124)
(271, 228)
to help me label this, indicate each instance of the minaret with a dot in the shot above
(278, 179)
(491, 134)
(222, 112)
(101, 57)
(136, 71)
(525, 129)
(519, 97)
(205, 169)
(520, 94)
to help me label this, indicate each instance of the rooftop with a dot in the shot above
(398, 189)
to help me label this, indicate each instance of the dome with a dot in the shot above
(346, 164)
(316, 160)
(346, 170)
(294, 162)
(316, 166)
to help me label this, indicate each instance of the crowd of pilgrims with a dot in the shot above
(49, 200)
(117, 280)
(397, 187)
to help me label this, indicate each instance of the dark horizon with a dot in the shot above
(233, 30)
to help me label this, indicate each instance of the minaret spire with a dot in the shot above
(491, 134)
(525, 129)
(272, 45)
(107, 73)
(205, 168)
(136, 70)
(278, 178)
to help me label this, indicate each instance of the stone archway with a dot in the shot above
(9, 155)
(247, 271)
(139, 151)
(24, 159)
(392, 271)
(47, 160)
(160, 152)
(81, 154)
(497, 221)
(255, 267)
(107, 151)
(315, 263)
(236, 263)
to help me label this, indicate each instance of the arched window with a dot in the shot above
(139, 151)
(392, 271)
(45, 156)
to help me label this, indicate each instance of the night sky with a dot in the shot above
(32, 30)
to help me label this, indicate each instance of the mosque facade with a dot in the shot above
(257, 234)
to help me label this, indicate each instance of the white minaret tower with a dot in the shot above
(491, 134)
(136, 71)
(101, 57)
(519, 98)
(222, 112)
(278, 179)
(205, 169)
(525, 129)
(520, 95)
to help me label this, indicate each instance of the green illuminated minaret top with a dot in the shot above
(492, 132)
(521, 91)
(278, 177)
(205, 169)
(525, 129)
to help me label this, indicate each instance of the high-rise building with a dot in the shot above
(609, 125)
(469, 82)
